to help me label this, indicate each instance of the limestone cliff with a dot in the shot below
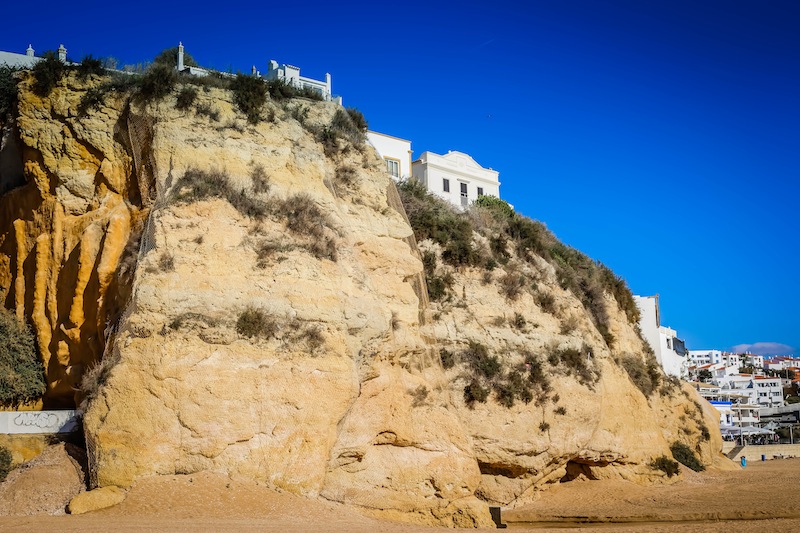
(274, 322)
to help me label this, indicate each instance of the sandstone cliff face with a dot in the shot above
(63, 233)
(343, 395)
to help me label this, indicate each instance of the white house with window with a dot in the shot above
(455, 177)
(670, 351)
(395, 151)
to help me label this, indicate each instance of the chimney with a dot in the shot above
(29, 51)
(62, 53)
(254, 71)
(180, 57)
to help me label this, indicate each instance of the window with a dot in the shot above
(393, 166)
(480, 192)
(446, 185)
(464, 198)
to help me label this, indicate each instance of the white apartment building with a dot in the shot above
(759, 390)
(456, 177)
(705, 357)
(670, 351)
(395, 151)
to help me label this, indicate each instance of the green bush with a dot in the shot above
(666, 465)
(500, 209)
(157, 83)
(8, 90)
(90, 66)
(22, 376)
(47, 73)
(169, 58)
(685, 456)
(250, 96)
(5, 462)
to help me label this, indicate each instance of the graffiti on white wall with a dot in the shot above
(29, 422)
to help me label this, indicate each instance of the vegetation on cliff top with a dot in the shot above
(22, 376)
(432, 218)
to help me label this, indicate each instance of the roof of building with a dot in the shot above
(18, 60)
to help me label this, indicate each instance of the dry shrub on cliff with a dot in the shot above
(646, 376)
(685, 456)
(22, 376)
(511, 285)
(254, 322)
(305, 218)
(666, 465)
(577, 363)
(261, 182)
(196, 185)
(5, 462)
(186, 98)
(546, 302)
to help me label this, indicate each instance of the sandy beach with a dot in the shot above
(761, 497)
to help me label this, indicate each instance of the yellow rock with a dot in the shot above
(96, 499)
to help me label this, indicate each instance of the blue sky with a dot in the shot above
(659, 137)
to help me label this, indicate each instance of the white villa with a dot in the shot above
(455, 177)
(670, 351)
(28, 59)
(290, 75)
(395, 151)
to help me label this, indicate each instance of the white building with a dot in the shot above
(456, 177)
(760, 390)
(395, 151)
(670, 351)
(28, 59)
(290, 75)
(705, 357)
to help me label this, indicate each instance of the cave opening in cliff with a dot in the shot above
(576, 469)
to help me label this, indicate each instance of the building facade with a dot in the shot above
(456, 177)
(670, 351)
(396, 152)
(290, 75)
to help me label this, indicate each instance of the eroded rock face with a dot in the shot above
(64, 226)
(343, 394)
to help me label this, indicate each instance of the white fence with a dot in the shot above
(33, 422)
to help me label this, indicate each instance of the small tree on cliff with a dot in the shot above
(169, 58)
(21, 372)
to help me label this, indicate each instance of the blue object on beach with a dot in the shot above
(744, 461)
(763, 457)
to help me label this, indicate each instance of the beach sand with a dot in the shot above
(762, 497)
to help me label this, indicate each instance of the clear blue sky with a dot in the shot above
(661, 137)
